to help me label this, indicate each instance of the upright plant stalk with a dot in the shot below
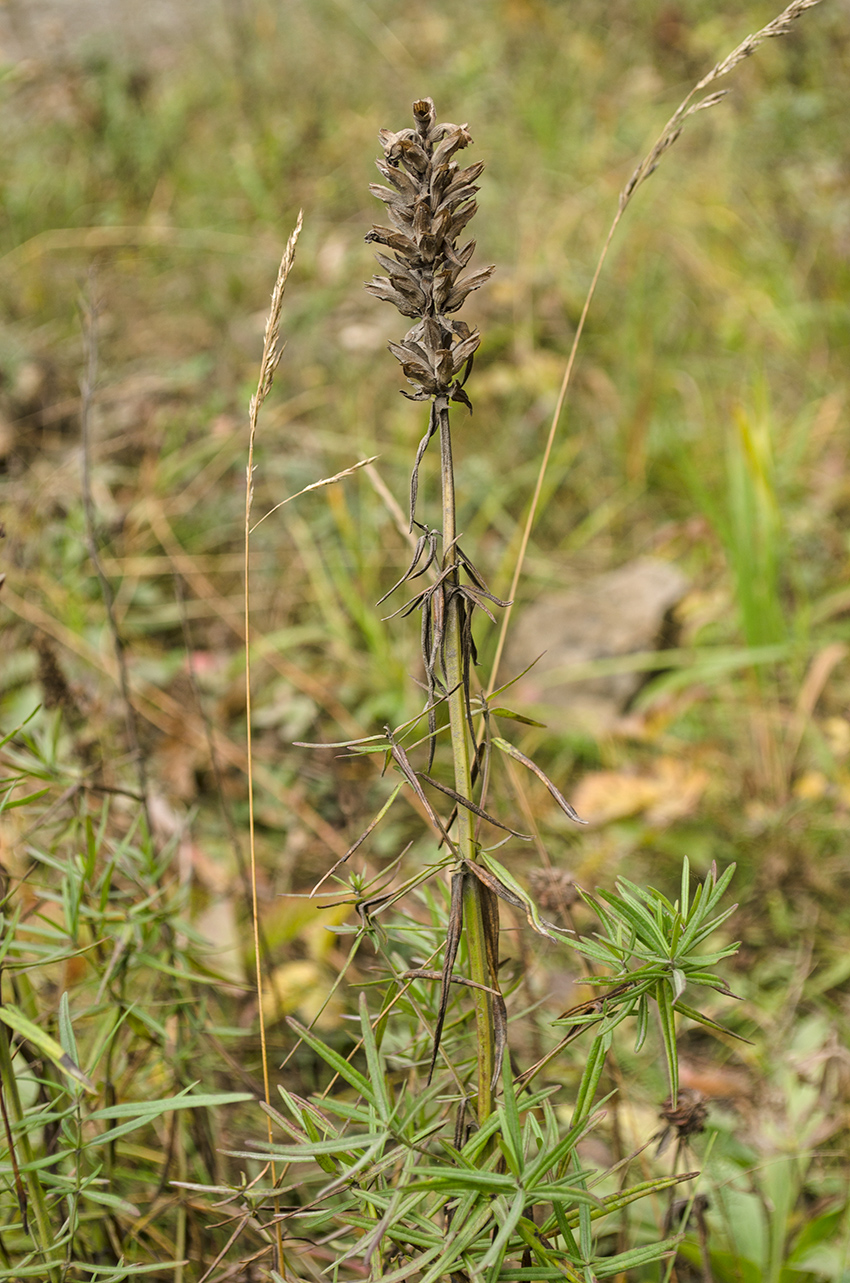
(473, 890)
(272, 352)
(9, 1084)
(429, 202)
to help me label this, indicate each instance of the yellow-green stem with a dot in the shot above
(35, 1190)
(464, 837)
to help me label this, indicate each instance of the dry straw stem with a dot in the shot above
(317, 485)
(780, 26)
(272, 352)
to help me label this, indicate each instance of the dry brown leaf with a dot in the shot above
(670, 792)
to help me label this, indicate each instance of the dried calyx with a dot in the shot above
(429, 203)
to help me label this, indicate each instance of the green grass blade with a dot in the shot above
(47, 1045)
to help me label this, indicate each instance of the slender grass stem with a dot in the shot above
(779, 26)
(272, 352)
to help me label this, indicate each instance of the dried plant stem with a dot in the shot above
(544, 462)
(779, 26)
(272, 352)
(223, 805)
(317, 485)
(474, 890)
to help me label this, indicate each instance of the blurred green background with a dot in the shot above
(155, 162)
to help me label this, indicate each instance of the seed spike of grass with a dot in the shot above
(317, 485)
(272, 352)
(779, 26)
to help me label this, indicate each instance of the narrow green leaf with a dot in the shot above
(9, 928)
(541, 775)
(309, 1152)
(11, 735)
(667, 1017)
(354, 1112)
(122, 1271)
(551, 1160)
(512, 1129)
(694, 937)
(479, 1140)
(566, 1230)
(560, 1192)
(6, 805)
(714, 890)
(458, 1243)
(413, 1267)
(105, 1273)
(148, 1109)
(510, 884)
(66, 1030)
(692, 1014)
(335, 1060)
(373, 1060)
(211, 978)
(540, 1273)
(602, 952)
(637, 916)
(590, 1078)
(642, 1022)
(462, 1179)
(559, 1267)
(43, 1042)
(323, 1157)
(585, 1236)
(616, 1202)
(650, 896)
(516, 717)
(636, 1257)
(495, 1255)
(102, 1198)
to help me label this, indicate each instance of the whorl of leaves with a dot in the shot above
(429, 203)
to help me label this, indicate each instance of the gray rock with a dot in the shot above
(618, 613)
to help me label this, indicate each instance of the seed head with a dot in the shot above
(429, 203)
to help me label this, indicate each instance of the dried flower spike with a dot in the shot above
(429, 203)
